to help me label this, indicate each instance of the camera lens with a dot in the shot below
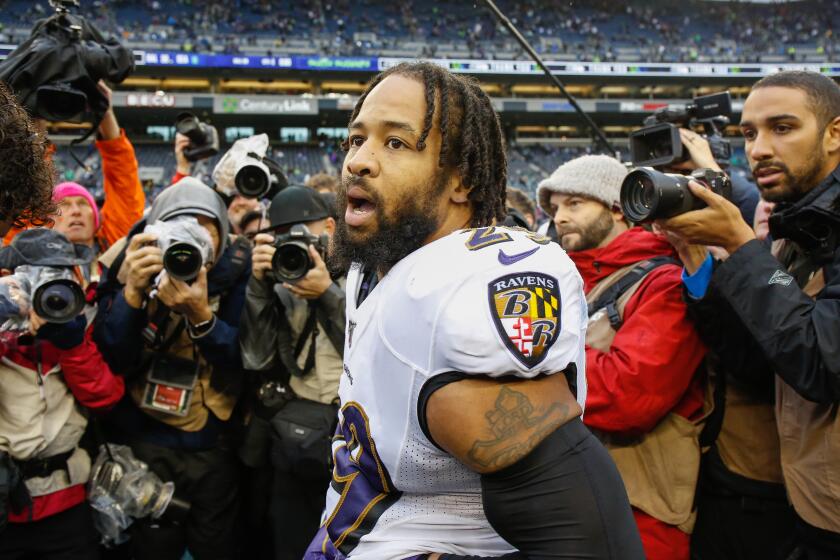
(638, 197)
(648, 195)
(291, 261)
(183, 261)
(60, 103)
(252, 181)
(58, 301)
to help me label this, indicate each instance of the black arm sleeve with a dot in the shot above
(563, 500)
(798, 336)
(735, 353)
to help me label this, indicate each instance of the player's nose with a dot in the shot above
(363, 163)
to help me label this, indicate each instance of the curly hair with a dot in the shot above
(472, 140)
(26, 173)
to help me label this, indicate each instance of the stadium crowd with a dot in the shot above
(289, 353)
(591, 30)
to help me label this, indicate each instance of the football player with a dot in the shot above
(459, 431)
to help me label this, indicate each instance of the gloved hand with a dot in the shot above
(64, 336)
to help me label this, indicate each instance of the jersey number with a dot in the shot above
(488, 236)
(360, 478)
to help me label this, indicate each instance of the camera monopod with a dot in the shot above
(598, 135)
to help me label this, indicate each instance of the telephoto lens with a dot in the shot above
(58, 301)
(252, 179)
(183, 261)
(648, 195)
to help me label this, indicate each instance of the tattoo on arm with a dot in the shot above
(518, 427)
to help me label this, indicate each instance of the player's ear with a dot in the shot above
(458, 191)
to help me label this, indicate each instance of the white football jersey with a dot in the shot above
(489, 301)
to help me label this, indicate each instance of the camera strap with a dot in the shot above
(610, 297)
(310, 331)
(155, 330)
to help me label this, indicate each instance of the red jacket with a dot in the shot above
(93, 386)
(650, 369)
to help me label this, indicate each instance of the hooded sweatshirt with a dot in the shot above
(118, 329)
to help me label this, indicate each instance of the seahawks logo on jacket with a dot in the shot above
(526, 311)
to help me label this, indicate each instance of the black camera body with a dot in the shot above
(55, 71)
(658, 142)
(204, 138)
(647, 194)
(816, 230)
(291, 260)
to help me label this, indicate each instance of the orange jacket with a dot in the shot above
(124, 197)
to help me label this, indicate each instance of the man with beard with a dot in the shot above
(778, 311)
(645, 389)
(459, 433)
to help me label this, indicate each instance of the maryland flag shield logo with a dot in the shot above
(526, 311)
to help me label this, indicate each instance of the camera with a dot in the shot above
(122, 489)
(647, 194)
(257, 177)
(273, 395)
(248, 170)
(204, 138)
(291, 260)
(52, 292)
(658, 143)
(186, 246)
(816, 230)
(55, 71)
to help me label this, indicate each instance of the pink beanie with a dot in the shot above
(63, 190)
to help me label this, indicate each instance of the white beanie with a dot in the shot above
(597, 177)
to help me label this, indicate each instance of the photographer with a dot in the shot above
(175, 340)
(643, 356)
(744, 193)
(78, 217)
(778, 312)
(52, 374)
(238, 206)
(25, 171)
(298, 326)
(742, 510)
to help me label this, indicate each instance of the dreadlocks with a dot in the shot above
(471, 134)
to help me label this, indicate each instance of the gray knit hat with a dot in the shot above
(596, 177)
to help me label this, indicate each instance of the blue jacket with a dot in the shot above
(118, 332)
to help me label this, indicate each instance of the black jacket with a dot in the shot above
(758, 321)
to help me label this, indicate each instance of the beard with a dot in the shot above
(590, 236)
(793, 186)
(398, 234)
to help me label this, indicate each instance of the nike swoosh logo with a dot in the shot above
(511, 259)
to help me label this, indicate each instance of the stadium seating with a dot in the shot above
(527, 164)
(597, 29)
